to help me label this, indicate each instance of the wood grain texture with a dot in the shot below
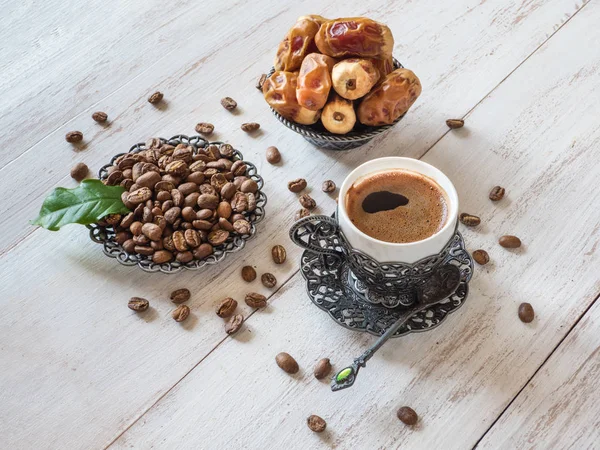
(80, 367)
(460, 51)
(535, 135)
(559, 407)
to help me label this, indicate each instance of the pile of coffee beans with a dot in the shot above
(184, 201)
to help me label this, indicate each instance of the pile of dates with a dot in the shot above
(184, 201)
(339, 71)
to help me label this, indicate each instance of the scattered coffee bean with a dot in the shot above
(180, 313)
(74, 137)
(226, 307)
(234, 324)
(250, 127)
(526, 313)
(255, 300)
(100, 116)
(180, 295)
(407, 415)
(301, 213)
(79, 171)
(268, 280)
(138, 304)
(205, 128)
(328, 186)
(316, 424)
(497, 193)
(509, 241)
(322, 369)
(481, 257)
(297, 185)
(273, 155)
(261, 80)
(228, 103)
(307, 202)
(156, 97)
(470, 220)
(279, 254)
(455, 123)
(248, 273)
(287, 363)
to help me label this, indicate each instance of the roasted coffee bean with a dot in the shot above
(149, 179)
(239, 180)
(219, 165)
(297, 185)
(225, 224)
(307, 201)
(204, 214)
(268, 280)
(203, 251)
(234, 324)
(218, 237)
(186, 226)
(162, 256)
(172, 214)
(497, 193)
(322, 369)
(177, 197)
(455, 123)
(509, 241)
(261, 80)
(228, 190)
(187, 188)
(191, 200)
(526, 312)
(79, 171)
(301, 213)
(217, 181)
(154, 143)
(168, 243)
(407, 415)
(192, 238)
(122, 236)
(127, 220)
(481, 257)
(237, 216)
(273, 155)
(156, 97)
(112, 219)
(205, 128)
(251, 201)
(196, 177)
(163, 196)
(181, 313)
(249, 186)
(136, 228)
(126, 184)
(213, 151)
(279, 254)
(167, 205)
(114, 178)
(140, 195)
(248, 273)
(127, 173)
(164, 186)
(188, 213)
(177, 169)
(172, 179)
(287, 363)
(141, 240)
(226, 307)
(207, 189)
(152, 231)
(144, 250)
(328, 186)
(127, 161)
(224, 210)
(255, 300)
(129, 246)
(148, 214)
(208, 201)
(138, 304)
(74, 137)
(239, 203)
(160, 221)
(239, 168)
(228, 103)
(249, 127)
(204, 225)
(469, 220)
(156, 245)
(184, 257)
(242, 226)
(316, 424)
(100, 116)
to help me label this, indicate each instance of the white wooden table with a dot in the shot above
(80, 370)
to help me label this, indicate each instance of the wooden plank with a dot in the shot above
(460, 51)
(90, 366)
(535, 135)
(559, 407)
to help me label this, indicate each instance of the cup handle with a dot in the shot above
(319, 234)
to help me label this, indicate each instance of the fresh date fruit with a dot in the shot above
(279, 91)
(314, 81)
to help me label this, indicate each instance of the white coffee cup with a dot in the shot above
(389, 252)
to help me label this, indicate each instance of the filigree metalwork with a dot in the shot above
(106, 235)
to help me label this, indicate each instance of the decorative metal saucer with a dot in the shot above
(317, 135)
(106, 235)
(334, 289)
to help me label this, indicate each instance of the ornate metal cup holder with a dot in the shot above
(346, 283)
(106, 235)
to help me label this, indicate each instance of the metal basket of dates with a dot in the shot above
(192, 202)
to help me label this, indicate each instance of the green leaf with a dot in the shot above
(87, 203)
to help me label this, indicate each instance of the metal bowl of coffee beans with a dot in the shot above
(192, 202)
(318, 136)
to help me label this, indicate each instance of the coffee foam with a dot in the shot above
(425, 214)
